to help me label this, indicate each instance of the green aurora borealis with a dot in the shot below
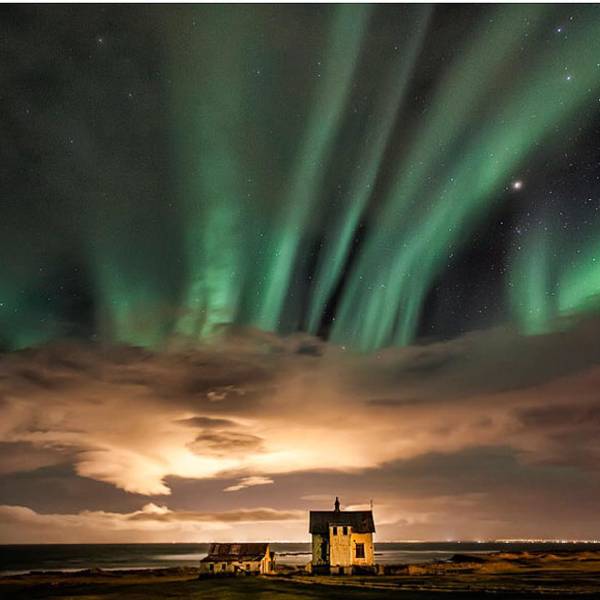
(309, 191)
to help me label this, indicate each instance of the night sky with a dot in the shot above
(257, 256)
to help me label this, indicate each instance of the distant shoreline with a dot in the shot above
(308, 543)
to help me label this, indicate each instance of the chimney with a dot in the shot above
(337, 504)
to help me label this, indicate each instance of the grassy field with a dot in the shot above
(221, 589)
(182, 587)
(229, 589)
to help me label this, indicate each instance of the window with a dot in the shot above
(224, 567)
(211, 567)
(360, 550)
(248, 567)
(335, 531)
(345, 531)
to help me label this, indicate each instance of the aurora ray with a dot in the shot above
(339, 62)
(337, 245)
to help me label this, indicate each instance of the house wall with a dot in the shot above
(343, 547)
(219, 567)
(367, 540)
(317, 557)
(340, 546)
(266, 564)
(262, 566)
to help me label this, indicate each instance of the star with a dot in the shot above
(517, 185)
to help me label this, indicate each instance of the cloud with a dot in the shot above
(21, 457)
(152, 512)
(226, 443)
(255, 406)
(247, 482)
(21, 524)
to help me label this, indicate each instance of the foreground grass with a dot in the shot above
(185, 585)
(192, 589)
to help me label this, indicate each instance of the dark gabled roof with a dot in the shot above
(227, 552)
(361, 521)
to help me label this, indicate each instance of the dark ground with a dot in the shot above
(183, 584)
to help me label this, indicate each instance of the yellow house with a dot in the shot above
(342, 540)
(237, 559)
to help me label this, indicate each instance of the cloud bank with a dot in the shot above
(153, 523)
(260, 410)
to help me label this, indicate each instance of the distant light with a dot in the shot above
(517, 185)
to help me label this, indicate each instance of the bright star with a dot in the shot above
(517, 185)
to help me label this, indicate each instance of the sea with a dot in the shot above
(22, 558)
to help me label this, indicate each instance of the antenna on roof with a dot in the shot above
(337, 504)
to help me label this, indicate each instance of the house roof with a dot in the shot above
(235, 552)
(361, 521)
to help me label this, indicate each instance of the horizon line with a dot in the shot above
(464, 541)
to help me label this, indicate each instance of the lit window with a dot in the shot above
(360, 550)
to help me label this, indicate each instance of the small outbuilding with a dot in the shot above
(238, 559)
